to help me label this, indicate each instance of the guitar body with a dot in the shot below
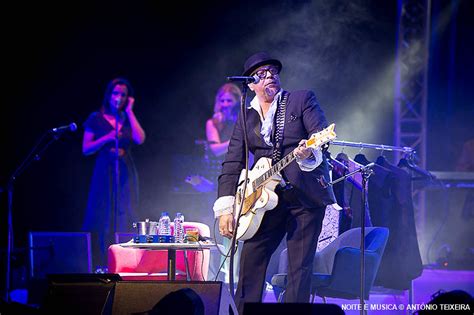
(262, 180)
(257, 200)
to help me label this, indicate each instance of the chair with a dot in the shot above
(143, 264)
(337, 267)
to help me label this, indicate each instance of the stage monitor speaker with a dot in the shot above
(292, 308)
(59, 252)
(79, 293)
(141, 296)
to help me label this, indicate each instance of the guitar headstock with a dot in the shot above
(324, 136)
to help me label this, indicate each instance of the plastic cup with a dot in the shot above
(192, 235)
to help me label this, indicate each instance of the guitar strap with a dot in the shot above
(279, 128)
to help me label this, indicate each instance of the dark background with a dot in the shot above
(58, 59)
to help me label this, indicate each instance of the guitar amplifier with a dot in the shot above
(59, 253)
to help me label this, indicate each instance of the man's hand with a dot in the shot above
(226, 225)
(302, 152)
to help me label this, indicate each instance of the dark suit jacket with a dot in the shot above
(303, 117)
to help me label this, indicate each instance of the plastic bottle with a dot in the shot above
(178, 232)
(164, 224)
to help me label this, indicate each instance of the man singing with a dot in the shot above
(277, 123)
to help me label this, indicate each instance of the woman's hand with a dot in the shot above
(130, 103)
(90, 144)
(218, 118)
(111, 136)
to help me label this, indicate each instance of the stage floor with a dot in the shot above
(382, 301)
(393, 302)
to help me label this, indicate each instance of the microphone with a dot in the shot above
(71, 127)
(253, 79)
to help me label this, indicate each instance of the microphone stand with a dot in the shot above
(365, 171)
(244, 188)
(34, 155)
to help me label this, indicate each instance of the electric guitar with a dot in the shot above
(262, 180)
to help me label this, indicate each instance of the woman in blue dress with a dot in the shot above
(102, 219)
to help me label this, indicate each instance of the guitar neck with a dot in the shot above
(275, 169)
(315, 141)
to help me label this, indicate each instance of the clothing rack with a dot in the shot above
(410, 153)
(381, 147)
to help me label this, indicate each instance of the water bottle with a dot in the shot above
(178, 232)
(164, 224)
